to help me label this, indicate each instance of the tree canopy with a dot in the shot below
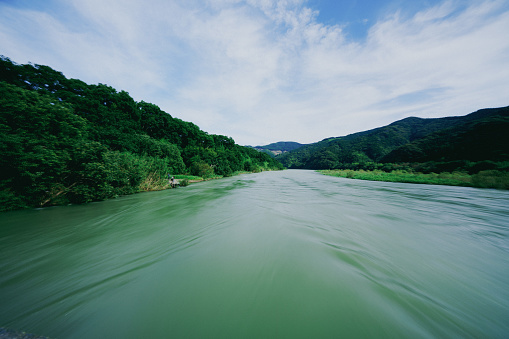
(441, 144)
(65, 141)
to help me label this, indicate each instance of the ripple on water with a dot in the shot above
(281, 254)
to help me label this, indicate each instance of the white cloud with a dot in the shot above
(265, 70)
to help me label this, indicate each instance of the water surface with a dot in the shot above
(291, 254)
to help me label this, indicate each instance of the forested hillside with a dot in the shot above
(484, 135)
(64, 141)
(473, 142)
(279, 147)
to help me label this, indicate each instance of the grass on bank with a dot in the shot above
(483, 179)
(155, 182)
(186, 179)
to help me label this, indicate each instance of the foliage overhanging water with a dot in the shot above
(289, 254)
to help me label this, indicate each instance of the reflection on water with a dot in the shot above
(280, 254)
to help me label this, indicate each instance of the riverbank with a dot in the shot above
(483, 179)
(182, 180)
(164, 184)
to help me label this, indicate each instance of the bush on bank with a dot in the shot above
(483, 179)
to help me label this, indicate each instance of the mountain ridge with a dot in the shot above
(279, 147)
(381, 144)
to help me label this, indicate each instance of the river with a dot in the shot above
(289, 254)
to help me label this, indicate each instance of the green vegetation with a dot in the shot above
(64, 141)
(475, 138)
(475, 148)
(483, 179)
(279, 147)
(188, 177)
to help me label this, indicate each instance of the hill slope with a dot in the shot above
(64, 141)
(279, 147)
(481, 135)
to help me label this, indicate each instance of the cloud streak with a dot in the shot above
(263, 71)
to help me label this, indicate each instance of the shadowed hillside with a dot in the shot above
(479, 136)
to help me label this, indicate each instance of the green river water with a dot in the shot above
(289, 254)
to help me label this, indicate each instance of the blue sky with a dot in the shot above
(263, 71)
(357, 16)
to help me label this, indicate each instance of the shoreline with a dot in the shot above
(184, 180)
(483, 179)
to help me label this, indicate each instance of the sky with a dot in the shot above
(262, 71)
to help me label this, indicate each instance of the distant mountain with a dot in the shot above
(279, 147)
(479, 136)
(484, 135)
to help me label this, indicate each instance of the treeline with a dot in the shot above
(482, 179)
(483, 174)
(282, 146)
(472, 143)
(64, 141)
(469, 167)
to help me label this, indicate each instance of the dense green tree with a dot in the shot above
(437, 144)
(38, 136)
(63, 141)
